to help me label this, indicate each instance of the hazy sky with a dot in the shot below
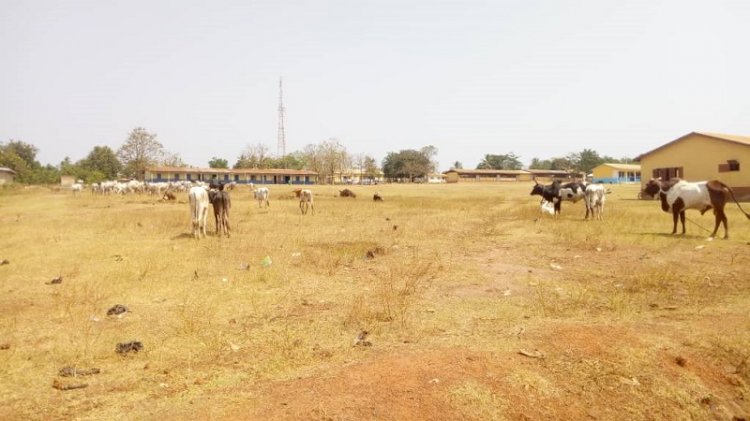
(540, 78)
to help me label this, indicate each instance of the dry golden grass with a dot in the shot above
(450, 281)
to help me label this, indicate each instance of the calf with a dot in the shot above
(198, 197)
(221, 202)
(306, 201)
(679, 195)
(595, 197)
(376, 197)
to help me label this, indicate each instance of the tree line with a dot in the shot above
(142, 150)
(582, 162)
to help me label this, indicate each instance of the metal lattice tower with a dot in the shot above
(281, 146)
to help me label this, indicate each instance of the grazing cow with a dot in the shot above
(76, 188)
(198, 197)
(306, 201)
(376, 197)
(678, 195)
(595, 198)
(169, 195)
(221, 202)
(261, 195)
(347, 193)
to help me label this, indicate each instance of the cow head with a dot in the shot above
(653, 187)
(538, 189)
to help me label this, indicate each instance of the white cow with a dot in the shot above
(261, 194)
(76, 188)
(595, 198)
(198, 210)
(306, 201)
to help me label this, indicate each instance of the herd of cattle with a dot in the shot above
(676, 197)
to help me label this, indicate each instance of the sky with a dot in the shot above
(538, 78)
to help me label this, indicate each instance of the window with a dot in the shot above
(236, 177)
(668, 173)
(190, 176)
(731, 165)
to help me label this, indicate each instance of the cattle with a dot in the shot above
(198, 198)
(261, 195)
(347, 193)
(550, 193)
(76, 188)
(547, 207)
(678, 195)
(595, 198)
(557, 192)
(169, 195)
(376, 197)
(306, 201)
(221, 203)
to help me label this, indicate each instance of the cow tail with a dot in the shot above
(731, 192)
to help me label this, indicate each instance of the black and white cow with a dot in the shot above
(558, 192)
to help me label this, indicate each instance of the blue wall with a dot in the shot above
(615, 180)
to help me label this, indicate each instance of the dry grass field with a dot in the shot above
(453, 283)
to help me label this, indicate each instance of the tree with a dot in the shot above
(326, 158)
(291, 161)
(540, 164)
(407, 163)
(103, 160)
(218, 163)
(21, 158)
(508, 161)
(255, 156)
(458, 165)
(587, 160)
(371, 170)
(140, 151)
(430, 152)
(172, 159)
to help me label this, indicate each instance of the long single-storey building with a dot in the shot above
(699, 156)
(456, 175)
(241, 175)
(7, 175)
(616, 173)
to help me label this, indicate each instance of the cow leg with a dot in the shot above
(721, 218)
(558, 205)
(675, 216)
(682, 220)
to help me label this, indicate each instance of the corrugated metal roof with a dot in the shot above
(742, 140)
(4, 169)
(560, 172)
(624, 167)
(487, 172)
(231, 171)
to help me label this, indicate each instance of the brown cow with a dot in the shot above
(222, 203)
(347, 193)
